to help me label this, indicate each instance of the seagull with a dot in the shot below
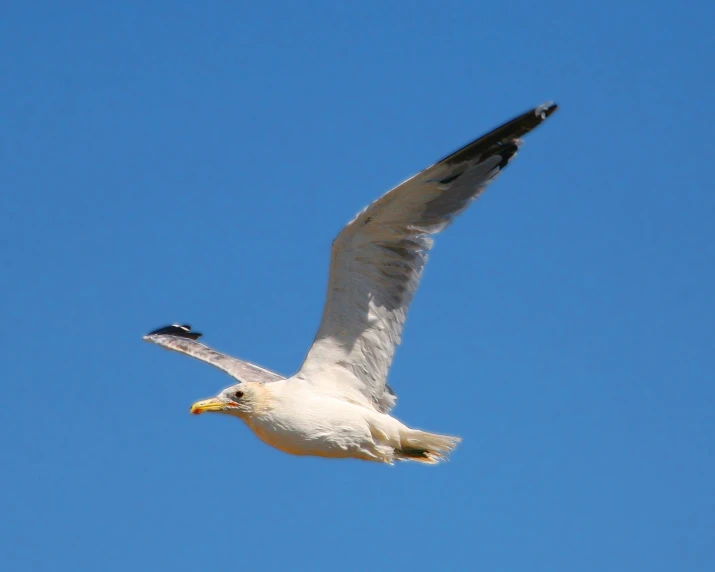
(338, 404)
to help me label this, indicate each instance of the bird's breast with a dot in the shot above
(314, 428)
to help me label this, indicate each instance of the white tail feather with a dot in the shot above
(425, 447)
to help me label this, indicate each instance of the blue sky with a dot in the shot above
(171, 161)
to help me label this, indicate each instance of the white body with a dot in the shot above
(303, 421)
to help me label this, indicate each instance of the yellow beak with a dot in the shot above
(212, 404)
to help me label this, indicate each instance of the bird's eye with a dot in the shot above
(238, 394)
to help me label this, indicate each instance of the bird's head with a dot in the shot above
(240, 400)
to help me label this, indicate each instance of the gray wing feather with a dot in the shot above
(239, 369)
(378, 258)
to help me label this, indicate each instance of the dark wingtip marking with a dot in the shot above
(506, 153)
(181, 331)
(451, 179)
(546, 109)
(502, 135)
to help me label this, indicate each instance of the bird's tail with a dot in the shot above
(425, 447)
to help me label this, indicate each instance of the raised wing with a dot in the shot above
(377, 261)
(181, 339)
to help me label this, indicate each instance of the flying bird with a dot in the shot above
(338, 403)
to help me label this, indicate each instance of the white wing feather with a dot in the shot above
(377, 261)
(239, 369)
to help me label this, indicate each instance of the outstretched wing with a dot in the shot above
(377, 260)
(181, 339)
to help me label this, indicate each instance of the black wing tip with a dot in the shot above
(546, 109)
(178, 330)
(504, 135)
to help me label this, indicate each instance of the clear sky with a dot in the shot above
(191, 162)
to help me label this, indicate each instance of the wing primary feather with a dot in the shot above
(180, 338)
(508, 132)
(183, 331)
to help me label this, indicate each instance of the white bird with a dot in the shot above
(338, 403)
